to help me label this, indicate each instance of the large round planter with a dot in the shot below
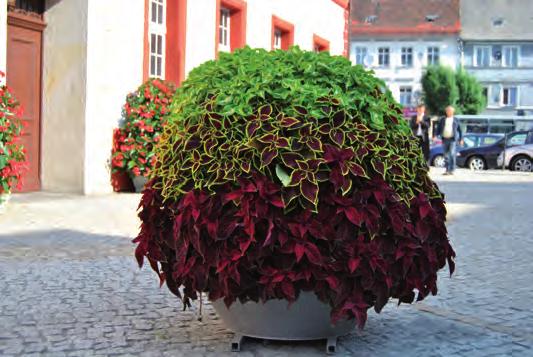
(139, 182)
(306, 319)
(4, 199)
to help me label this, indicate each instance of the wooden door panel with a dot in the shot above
(24, 79)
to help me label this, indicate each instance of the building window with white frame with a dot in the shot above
(510, 56)
(360, 55)
(407, 56)
(509, 96)
(482, 56)
(383, 57)
(157, 29)
(433, 56)
(224, 30)
(277, 39)
(406, 96)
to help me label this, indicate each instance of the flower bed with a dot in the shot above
(282, 172)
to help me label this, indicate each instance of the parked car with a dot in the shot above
(485, 157)
(518, 158)
(436, 151)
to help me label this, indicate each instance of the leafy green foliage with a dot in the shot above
(299, 118)
(471, 99)
(12, 154)
(440, 88)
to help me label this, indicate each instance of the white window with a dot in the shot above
(360, 55)
(433, 56)
(383, 56)
(157, 29)
(482, 56)
(277, 39)
(407, 56)
(224, 31)
(510, 56)
(509, 96)
(406, 96)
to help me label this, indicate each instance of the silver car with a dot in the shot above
(518, 158)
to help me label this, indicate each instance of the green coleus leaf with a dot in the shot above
(283, 176)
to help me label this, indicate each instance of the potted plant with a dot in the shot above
(144, 114)
(290, 177)
(12, 154)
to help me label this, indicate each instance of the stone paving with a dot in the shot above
(69, 285)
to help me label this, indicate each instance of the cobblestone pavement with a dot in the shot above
(69, 285)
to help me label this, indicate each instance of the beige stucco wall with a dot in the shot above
(64, 93)
(3, 35)
(114, 68)
(321, 17)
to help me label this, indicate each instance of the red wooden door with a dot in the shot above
(24, 79)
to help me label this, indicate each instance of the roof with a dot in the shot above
(371, 18)
(497, 20)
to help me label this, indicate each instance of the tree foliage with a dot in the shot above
(440, 89)
(471, 99)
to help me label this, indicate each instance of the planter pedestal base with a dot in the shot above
(306, 319)
(237, 341)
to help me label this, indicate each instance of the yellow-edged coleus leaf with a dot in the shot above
(289, 122)
(267, 155)
(309, 191)
(290, 159)
(252, 127)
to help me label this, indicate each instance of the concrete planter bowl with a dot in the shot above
(306, 319)
(139, 182)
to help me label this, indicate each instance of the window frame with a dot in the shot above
(287, 32)
(224, 13)
(408, 89)
(510, 47)
(387, 50)
(502, 96)
(405, 54)
(157, 30)
(320, 44)
(435, 53)
(474, 57)
(363, 54)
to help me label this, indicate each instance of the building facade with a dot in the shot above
(399, 39)
(497, 48)
(71, 63)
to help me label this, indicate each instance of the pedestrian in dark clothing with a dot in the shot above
(450, 132)
(420, 126)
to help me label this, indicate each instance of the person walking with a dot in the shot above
(420, 126)
(450, 132)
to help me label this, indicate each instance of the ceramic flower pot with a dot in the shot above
(306, 319)
(139, 182)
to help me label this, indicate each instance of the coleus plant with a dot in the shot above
(288, 171)
(144, 115)
(12, 154)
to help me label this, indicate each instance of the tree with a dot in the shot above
(440, 89)
(471, 98)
